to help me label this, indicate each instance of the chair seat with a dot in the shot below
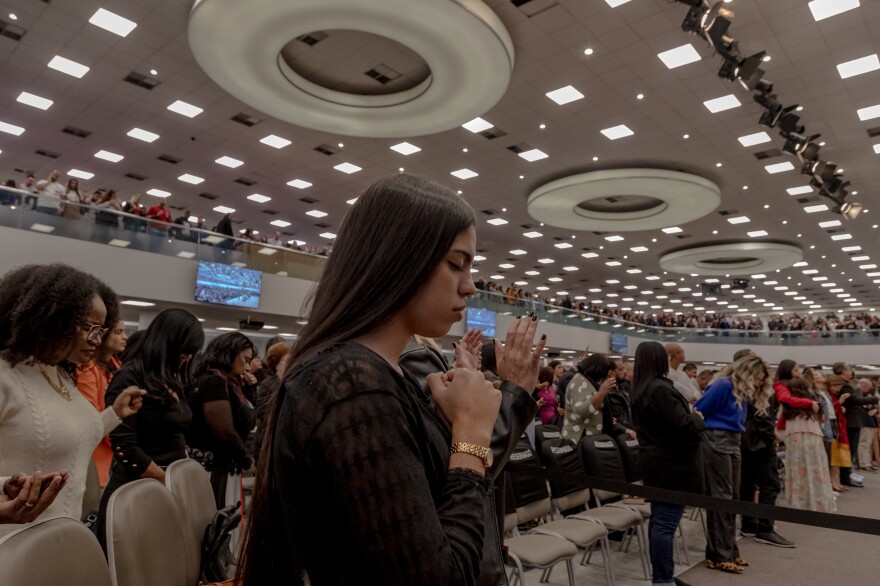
(579, 532)
(540, 550)
(644, 510)
(614, 518)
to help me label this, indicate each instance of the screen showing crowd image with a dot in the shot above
(228, 285)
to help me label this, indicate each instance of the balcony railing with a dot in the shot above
(114, 228)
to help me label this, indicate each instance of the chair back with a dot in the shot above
(145, 543)
(562, 455)
(543, 432)
(190, 485)
(57, 551)
(530, 493)
(629, 451)
(92, 495)
(601, 458)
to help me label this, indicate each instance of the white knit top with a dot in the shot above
(41, 430)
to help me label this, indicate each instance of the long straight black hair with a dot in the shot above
(390, 243)
(651, 363)
(155, 357)
(785, 370)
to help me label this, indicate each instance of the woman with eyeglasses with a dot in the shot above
(148, 441)
(52, 319)
(92, 381)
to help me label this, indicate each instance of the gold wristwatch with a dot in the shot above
(484, 454)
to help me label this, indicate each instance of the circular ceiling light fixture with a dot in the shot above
(381, 69)
(624, 200)
(732, 258)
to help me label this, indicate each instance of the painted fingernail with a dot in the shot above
(534, 318)
(531, 313)
(519, 316)
(454, 345)
(543, 336)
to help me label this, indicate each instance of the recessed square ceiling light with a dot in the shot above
(877, 148)
(614, 238)
(136, 303)
(479, 258)
(300, 184)
(634, 271)
(615, 132)
(11, 128)
(545, 261)
(723, 103)
(869, 113)
(405, 148)
(141, 134)
(532, 234)
(757, 233)
(477, 125)
(259, 198)
(799, 190)
(859, 66)
(639, 249)
(860, 258)
(563, 245)
(868, 267)
(159, 193)
(280, 223)
(533, 155)
(615, 3)
(188, 110)
(810, 271)
(187, 178)
(841, 237)
(851, 248)
(275, 141)
(112, 22)
(108, 156)
(67, 66)
(223, 210)
(612, 282)
(823, 9)
(532, 273)
(35, 101)
(554, 279)
(80, 174)
(564, 95)
(589, 255)
(816, 208)
(753, 139)
(229, 162)
(497, 221)
(779, 167)
(316, 213)
(829, 224)
(328, 235)
(464, 174)
(570, 268)
(672, 230)
(518, 252)
(505, 265)
(612, 263)
(347, 168)
(739, 220)
(679, 56)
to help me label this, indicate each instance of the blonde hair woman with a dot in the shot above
(723, 407)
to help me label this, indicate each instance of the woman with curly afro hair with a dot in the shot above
(52, 318)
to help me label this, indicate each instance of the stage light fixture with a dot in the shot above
(850, 211)
(749, 72)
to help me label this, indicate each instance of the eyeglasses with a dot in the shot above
(96, 331)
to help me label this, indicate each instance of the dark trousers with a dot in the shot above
(721, 460)
(662, 526)
(853, 434)
(760, 470)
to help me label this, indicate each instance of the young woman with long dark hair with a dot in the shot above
(357, 482)
(146, 443)
(669, 443)
(223, 417)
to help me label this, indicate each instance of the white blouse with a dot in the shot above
(41, 430)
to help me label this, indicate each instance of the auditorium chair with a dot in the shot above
(533, 503)
(543, 432)
(145, 543)
(190, 486)
(57, 551)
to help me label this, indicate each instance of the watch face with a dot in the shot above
(490, 458)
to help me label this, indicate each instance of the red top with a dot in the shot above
(783, 396)
(157, 212)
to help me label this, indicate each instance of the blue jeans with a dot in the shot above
(661, 536)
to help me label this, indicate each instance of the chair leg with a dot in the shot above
(643, 553)
(570, 567)
(606, 561)
(545, 575)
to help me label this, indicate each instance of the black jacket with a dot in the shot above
(857, 407)
(669, 438)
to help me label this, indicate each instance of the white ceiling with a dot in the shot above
(549, 54)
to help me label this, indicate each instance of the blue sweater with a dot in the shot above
(719, 407)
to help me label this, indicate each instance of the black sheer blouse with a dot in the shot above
(363, 488)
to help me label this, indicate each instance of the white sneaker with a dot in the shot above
(857, 477)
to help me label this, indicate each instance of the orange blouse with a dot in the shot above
(92, 381)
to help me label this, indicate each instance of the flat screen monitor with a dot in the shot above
(483, 319)
(618, 343)
(228, 285)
